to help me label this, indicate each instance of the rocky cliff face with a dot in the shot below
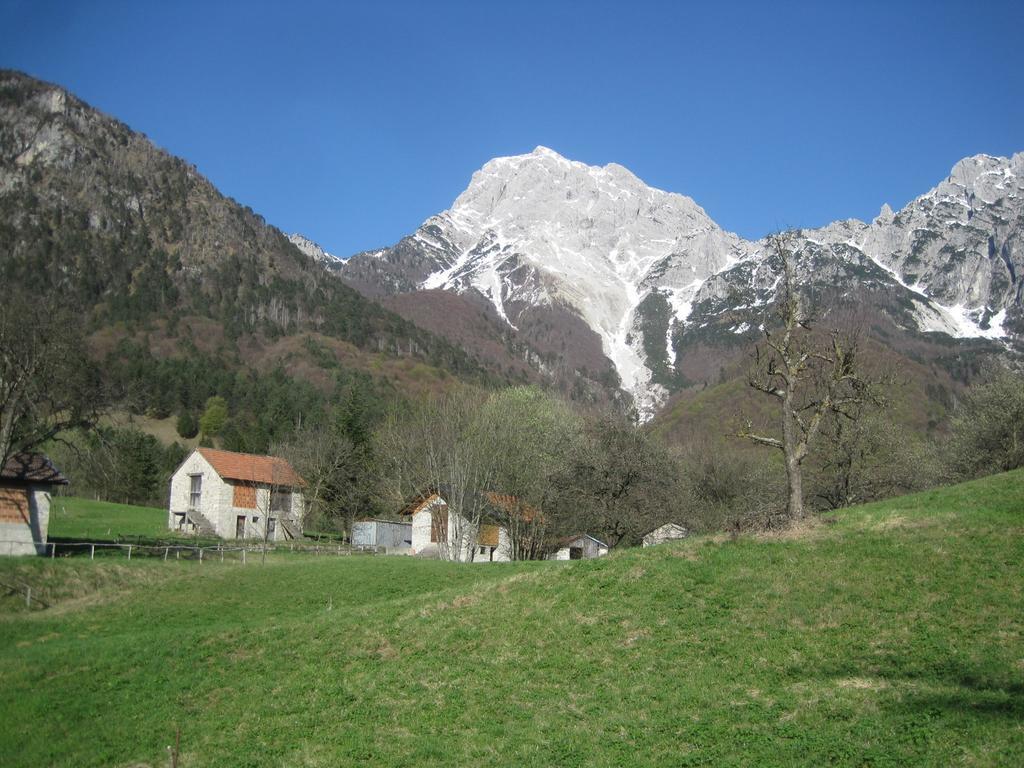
(313, 250)
(646, 270)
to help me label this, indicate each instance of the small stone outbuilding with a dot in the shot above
(580, 546)
(25, 483)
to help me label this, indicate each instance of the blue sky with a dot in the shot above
(353, 122)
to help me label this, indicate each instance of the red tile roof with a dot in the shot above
(512, 505)
(249, 467)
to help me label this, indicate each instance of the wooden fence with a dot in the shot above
(215, 553)
(208, 552)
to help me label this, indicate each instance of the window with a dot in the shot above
(195, 491)
(271, 526)
(280, 501)
(483, 550)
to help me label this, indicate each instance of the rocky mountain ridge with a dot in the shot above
(312, 249)
(635, 263)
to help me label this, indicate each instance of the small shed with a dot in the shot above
(580, 546)
(666, 532)
(382, 533)
(25, 483)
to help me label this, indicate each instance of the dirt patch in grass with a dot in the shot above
(803, 530)
(862, 684)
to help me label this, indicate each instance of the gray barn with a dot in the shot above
(381, 533)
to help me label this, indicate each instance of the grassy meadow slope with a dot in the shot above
(892, 636)
(76, 518)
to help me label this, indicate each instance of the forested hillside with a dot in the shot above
(157, 265)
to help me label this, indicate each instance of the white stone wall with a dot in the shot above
(503, 552)
(422, 522)
(210, 499)
(421, 525)
(30, 539)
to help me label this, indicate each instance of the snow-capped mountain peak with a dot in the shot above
(635, 262)
(538, 228)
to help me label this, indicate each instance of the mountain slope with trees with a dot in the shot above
(158, 265)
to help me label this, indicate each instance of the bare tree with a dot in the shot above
(324, 457)
(619, 482)
(273, 504)
(47, 383)
(988, 425)
(440, 445)
(809, 376)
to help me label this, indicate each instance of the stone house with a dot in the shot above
(580, 546)
(25, 483)
(666, 532)
(434, 528)
(236, 496)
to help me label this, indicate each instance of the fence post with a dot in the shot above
(92, 551)
(53, 549)
(200, 555)
(28, 597)
(129, 551)
(222, 554)
(243, 555)
(166, 550)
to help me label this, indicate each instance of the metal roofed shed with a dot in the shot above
(391, 535)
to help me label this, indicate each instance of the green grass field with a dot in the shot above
(891, 637)
(75, 518)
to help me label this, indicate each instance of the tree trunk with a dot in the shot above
(793, 448)
(794, 476)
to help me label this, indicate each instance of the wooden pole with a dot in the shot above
(129, 551)
(28, 597)
(92, 551)
(166, 550)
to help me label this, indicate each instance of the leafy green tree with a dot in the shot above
(534, 436)
(214, 417)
